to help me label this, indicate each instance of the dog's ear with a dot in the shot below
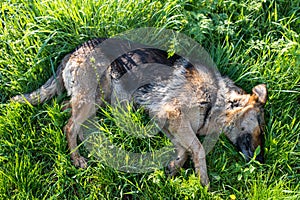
(261, 94)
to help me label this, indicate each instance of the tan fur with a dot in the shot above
(199, 102)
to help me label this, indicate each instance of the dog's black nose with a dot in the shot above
(244, 145)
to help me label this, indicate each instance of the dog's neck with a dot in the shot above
(216, 122)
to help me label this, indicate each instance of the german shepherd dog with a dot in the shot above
(193, 100)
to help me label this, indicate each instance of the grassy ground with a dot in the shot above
(251, 42)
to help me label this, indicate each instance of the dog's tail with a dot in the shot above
(53, 86)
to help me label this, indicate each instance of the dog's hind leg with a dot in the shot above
(81, 112)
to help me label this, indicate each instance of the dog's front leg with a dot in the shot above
(198, 155)
(176, 164)
(186, 137)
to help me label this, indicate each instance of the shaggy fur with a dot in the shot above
(191, 99)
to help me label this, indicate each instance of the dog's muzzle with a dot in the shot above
(244, 144)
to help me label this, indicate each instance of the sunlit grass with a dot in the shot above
(251, 42)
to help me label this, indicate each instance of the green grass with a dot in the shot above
(251, 42)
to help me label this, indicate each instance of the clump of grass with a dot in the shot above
(126, 139)
(251, 42)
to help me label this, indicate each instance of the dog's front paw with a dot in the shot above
(204, 181)
(172, 169)
(81, 137)
(203, 177)
(80, 162)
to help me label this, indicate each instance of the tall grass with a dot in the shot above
(251, 42)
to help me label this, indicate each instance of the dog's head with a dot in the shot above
(244, 123)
